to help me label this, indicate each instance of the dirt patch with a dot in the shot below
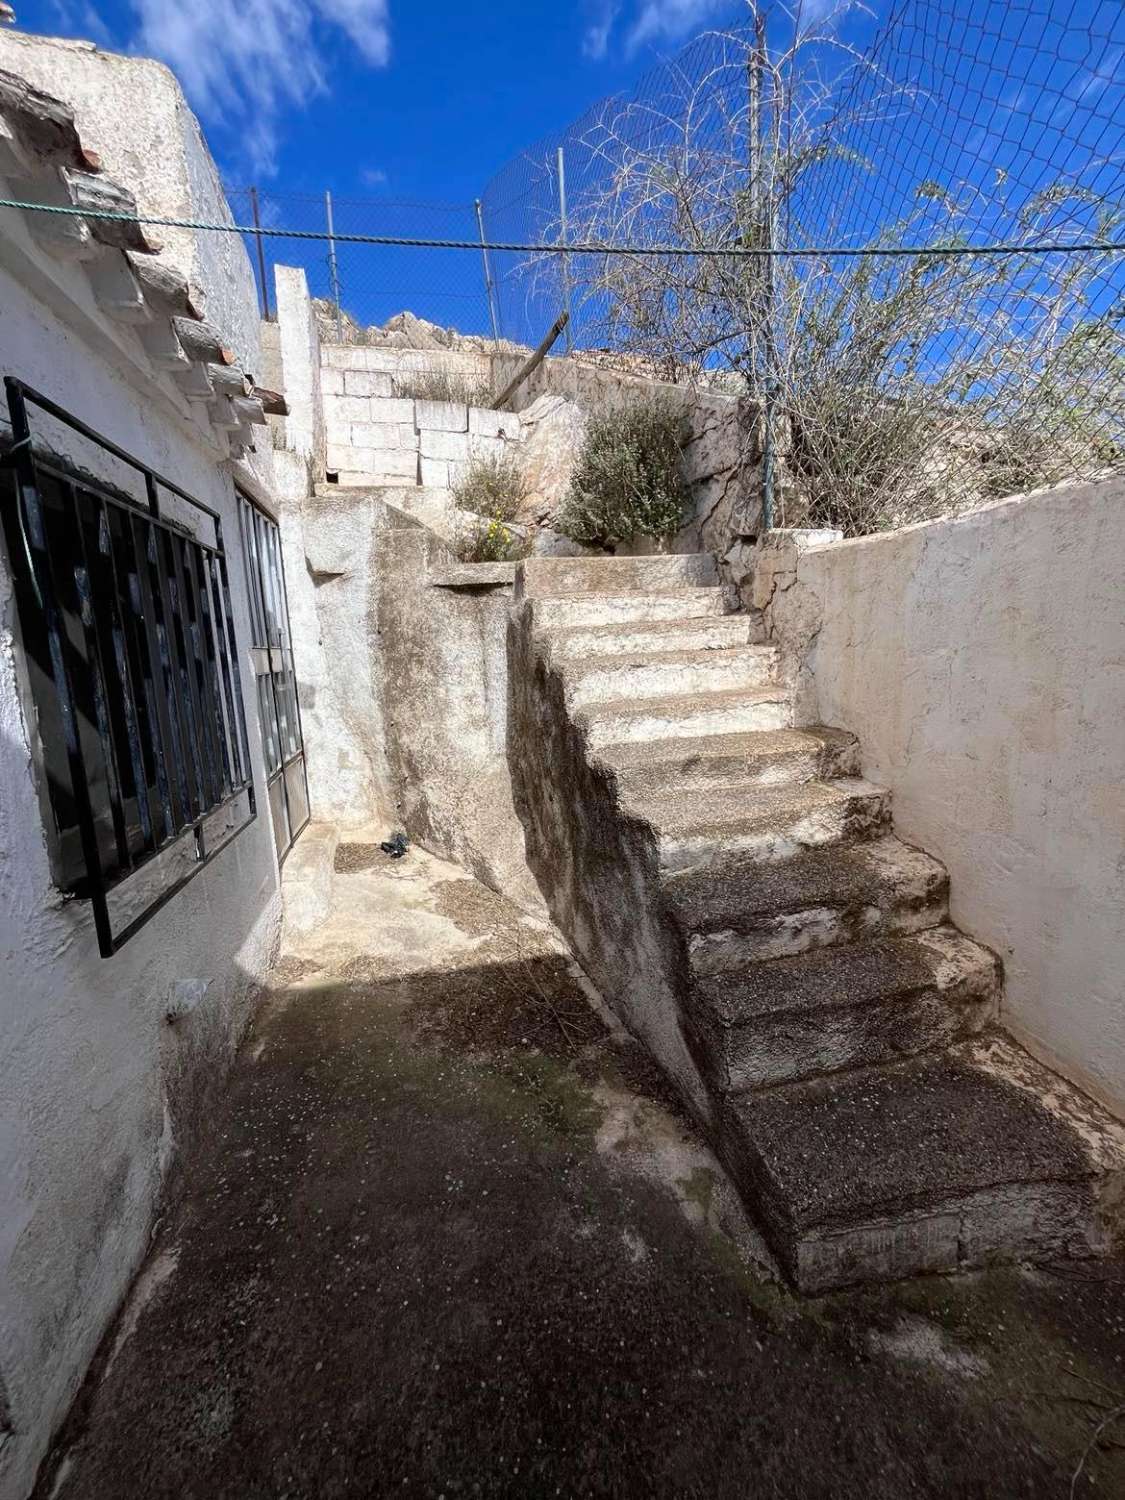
(352, 858)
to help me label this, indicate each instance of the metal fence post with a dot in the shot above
(261, 254)
(564, 236)
(489, 286)
(333, 268)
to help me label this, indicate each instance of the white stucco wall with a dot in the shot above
(96, 1086)
(132, 111)
(981, 661)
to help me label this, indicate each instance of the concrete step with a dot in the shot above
(601, 679)
(732, 913)
(757, 824)
(635, 719)
(843, 1007)
(619, 609)
(638, 637)
(975, 1156)
(759, 758)
(552, 576)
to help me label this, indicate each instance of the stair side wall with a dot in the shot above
(978, 658)
(596, 868)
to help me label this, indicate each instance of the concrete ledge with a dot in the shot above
(474, 576)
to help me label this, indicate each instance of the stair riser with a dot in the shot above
(788, 1047)
(701, 773)
(729, 719)
(800, 932)
(597, 609)
(849, 820)
(603, 684)
(544, 577)
(704, 634)
(1012, 1222)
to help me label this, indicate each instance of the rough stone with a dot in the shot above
(552, 432)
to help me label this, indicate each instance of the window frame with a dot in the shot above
(179, 622)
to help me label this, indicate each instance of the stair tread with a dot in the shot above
(617, 630)
(674, 705)
(676, 812)
(847, 974)
(897, 1137)
(751, 744)
(837, 878)
(705, 657)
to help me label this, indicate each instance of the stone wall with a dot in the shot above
(979, 660)
(377, 435)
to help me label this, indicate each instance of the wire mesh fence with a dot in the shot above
(900, 234)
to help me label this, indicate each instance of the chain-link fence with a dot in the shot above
(902, 237)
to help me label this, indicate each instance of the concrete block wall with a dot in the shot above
(377, 437)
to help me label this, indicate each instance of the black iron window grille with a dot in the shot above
(128, 635)
(271, 652)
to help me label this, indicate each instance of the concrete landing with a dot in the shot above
(446, 1238)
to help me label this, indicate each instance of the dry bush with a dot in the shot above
(905, 385)
(445, 385)
(493, 486)
(628, 482)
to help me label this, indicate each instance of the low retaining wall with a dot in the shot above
(981, 661)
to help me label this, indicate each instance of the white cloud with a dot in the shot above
(245, 63)
(81, 19)
(373, 176)
(671, 20)
(595, 39)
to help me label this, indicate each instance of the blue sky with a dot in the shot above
(387, 97)
(413, 106)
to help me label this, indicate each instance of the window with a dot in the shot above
(125, 616)
(278, 708)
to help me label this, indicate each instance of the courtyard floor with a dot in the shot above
(448, 1236)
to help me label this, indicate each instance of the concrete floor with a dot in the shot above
(448, 1238)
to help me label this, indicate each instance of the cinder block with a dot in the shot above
(448, 445)
(493, 423)
(441, 416)
(383, 436)
(348, 409)
(337, 433)
(331, 382)
(435, 473)
(345, 356)
(394, 464)
(487, 447)
(368, 383)
(339, 456)
(392, 409)
(458, 473)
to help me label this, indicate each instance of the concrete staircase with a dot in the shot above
(736, 890)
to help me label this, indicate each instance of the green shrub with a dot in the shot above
(628, 481)
(493, 487)
(491, 540)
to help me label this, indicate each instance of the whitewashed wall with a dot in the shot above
(981, 661)
(96, 1086)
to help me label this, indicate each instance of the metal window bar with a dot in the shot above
(127, 618)
(282, 730)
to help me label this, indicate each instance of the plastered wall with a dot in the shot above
(981, 661)
(97, 1086)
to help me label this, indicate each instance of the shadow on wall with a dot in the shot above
(110, 1070)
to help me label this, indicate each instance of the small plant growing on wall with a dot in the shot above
(492, 490)
(628, 481)
(492, 486)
